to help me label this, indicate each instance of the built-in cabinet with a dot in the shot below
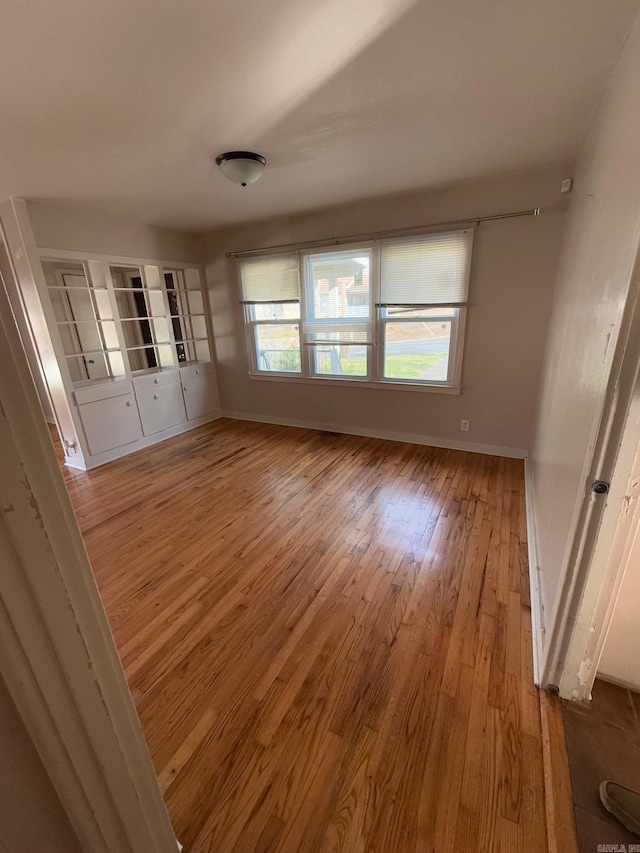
(109, 421)
(160, 401)
(133, 351)
(199, 392)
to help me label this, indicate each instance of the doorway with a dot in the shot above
(57, 655)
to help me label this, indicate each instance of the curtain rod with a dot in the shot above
(337, 241)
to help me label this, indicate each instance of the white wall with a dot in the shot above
(31, 817)
(60, 226)
(599, 252)
(513, 272)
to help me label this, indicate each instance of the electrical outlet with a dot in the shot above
(464, 426)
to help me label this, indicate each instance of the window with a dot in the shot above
(338, 325)
(424, 283)
(388, 312)
(271, 295)
(416, 343)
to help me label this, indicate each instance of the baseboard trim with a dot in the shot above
(405, 437)
(537, 613)
(76, 464)
(619, 682)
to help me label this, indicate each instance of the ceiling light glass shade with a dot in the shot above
(241, 167)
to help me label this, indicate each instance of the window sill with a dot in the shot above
(386, 384)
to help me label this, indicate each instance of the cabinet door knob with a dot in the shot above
(129, 402)
(185, 387)
(197, 371)
(155, 396)
(156, 380)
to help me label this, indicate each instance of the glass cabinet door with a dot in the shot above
(84, 317)
(187, 315)
(143, 315)
(116, 319)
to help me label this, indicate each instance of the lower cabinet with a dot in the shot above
(110, 423)
(122, 412)
(199, 389)
(161, 407)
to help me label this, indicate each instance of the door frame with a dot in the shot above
(606, 523)
(57, 654)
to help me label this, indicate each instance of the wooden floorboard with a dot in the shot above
(327, 637)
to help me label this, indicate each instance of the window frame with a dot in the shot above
(454, 368)
(307, 302)
(375, 377)
(251, 336)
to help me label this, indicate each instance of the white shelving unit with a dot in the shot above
(132, 345)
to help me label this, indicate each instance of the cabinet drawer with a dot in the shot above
(160, 407)
(203, 368)
(152, 380)
(110, 423)
(92, 393)
(200, 395)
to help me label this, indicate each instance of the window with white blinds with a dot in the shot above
(338, 328)
(391, 312)
(429, 270)
(270, 278)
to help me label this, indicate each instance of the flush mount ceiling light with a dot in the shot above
(241, 167)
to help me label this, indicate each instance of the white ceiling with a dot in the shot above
(122, 105)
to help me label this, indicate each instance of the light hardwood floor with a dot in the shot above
(328, 639)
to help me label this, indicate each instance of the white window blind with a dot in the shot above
(270, 278)
(429, 270)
